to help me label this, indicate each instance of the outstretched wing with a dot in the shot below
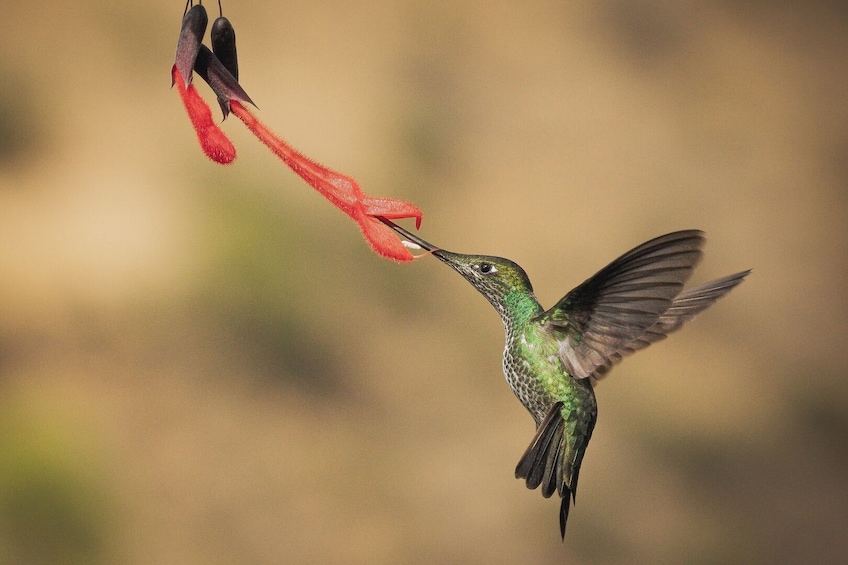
(616, 306)
(684, 308)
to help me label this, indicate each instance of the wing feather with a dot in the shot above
(616, 306)
(683, 309)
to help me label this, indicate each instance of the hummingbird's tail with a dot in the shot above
(553, 458)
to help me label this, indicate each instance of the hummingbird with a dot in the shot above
(553, 358)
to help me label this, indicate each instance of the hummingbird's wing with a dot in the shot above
(615, 307)
(683, 309)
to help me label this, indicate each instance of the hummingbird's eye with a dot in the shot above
(487, 268)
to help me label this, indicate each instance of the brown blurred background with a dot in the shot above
(205, 364)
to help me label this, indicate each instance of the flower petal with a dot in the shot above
(383, 240)
(391, 209)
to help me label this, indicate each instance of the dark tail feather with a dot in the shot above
(563, 515)
(539, 463)
(553, 464)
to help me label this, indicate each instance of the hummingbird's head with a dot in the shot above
(495, 278)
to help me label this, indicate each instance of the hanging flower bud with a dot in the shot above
(224, 44)
(191, 34)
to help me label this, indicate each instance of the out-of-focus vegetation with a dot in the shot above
(205, 364)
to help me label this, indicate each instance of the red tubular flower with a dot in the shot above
(218, 67)
(212, 139)
(341, 190)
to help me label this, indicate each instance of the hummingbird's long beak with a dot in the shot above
(412, 238)
(446, 257)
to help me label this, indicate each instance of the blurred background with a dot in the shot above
(206, 364)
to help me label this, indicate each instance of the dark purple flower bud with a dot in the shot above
(222, 82)
(224, 44)
(191, 34)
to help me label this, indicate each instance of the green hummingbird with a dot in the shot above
(553, 358)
